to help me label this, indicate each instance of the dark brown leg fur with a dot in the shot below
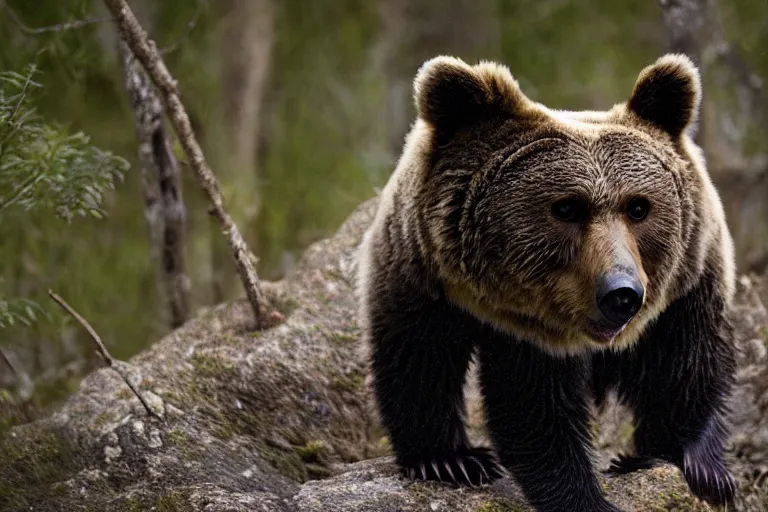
(420, 353)
(677, 380)
(538, 417)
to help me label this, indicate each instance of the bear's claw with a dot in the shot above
(709, 481)
(707, 477)
(625, 464)
(469, 466)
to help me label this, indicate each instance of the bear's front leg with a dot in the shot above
(538, 417)
(677, 380)
(420, 354)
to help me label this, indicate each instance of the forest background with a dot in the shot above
(302, 107)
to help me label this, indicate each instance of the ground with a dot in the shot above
(281, 419)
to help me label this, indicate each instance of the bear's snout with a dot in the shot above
(619, 297)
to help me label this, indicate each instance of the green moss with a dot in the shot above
(101, 419)
(124, 394)
(31, 462)
(313, 451)
(317, 471)
(335, 274)
(420, 493)
(47, 394)
(287, 463)
(51, 392)
(285, 304)
(175, 501)
(212, 367)
(224, 431)
(350, 382)
(231, 339)
(133, 505)
(177, 437)
(673, 502)
(343, 338)
(11, 414)
(500, 505)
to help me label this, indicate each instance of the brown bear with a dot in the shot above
(573, 254)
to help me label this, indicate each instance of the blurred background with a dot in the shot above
(301, 107)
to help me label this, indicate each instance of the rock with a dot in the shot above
(281, 419)
(372, 486)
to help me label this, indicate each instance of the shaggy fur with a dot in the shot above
(465, 257)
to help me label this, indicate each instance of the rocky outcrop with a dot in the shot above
(280, 419)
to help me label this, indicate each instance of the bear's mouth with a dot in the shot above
(602, 333)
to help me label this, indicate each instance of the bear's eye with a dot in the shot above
(637, 209)
(570, 209)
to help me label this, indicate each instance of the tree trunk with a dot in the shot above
(685, 21)
(147, 53)
(163, 199)
(733, 105)
(416, 30)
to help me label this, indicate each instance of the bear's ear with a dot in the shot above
(667, 94)
(449, 93)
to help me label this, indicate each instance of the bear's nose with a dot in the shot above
(619, 297)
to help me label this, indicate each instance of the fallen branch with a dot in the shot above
(163, 198)
(147, 53)
(103, 352)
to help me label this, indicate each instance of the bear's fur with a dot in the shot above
(465, 258)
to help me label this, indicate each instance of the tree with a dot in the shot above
(163, 199)
(42, 167)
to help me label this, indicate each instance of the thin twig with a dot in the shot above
(25, 385)
(8, 362)
(77, 24)
(22, 189)
(146, 52)
(70, 25)
(111, 362)
(191, 24)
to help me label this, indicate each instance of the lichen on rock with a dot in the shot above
(282, 419)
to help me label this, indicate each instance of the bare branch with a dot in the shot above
(111, 362)
(146, 52)
(61, 27)
(754, 87)
(163, 198)
(191, 24)
(77, 24)
(25, 385)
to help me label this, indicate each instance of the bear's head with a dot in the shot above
(570, 229)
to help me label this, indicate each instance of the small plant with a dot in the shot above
(42, 167)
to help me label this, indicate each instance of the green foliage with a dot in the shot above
(41, 166)
(326, 131)
(18, 311)
(46, 170)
